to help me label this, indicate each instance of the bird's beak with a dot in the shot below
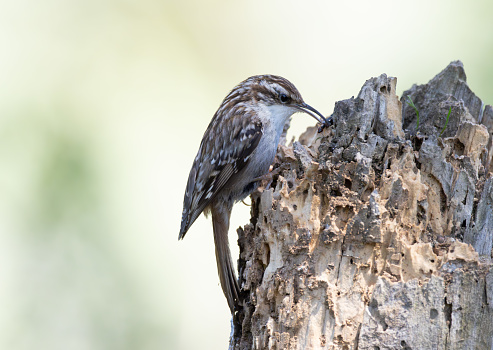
(303, 107)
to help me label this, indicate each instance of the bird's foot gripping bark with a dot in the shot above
(267, 179)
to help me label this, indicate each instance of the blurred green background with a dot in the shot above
(102, 108)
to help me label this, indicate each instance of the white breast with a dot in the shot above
(273, 120)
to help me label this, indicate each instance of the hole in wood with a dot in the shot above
(433, 314)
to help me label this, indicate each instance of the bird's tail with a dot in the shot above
(225, 270)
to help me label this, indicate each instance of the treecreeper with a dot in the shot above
(235, 155)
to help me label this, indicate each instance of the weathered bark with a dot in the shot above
(374, 236)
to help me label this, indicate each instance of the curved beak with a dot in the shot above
(303, 107)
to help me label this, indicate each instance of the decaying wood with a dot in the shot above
(378, 233)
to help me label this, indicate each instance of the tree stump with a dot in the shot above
(378, 232)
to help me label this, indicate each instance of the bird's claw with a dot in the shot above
(269, 177)
(248, 205)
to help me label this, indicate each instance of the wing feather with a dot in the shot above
(225, 150)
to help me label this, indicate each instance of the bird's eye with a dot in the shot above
(284, 98)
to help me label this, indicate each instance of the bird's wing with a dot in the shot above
(225, 150)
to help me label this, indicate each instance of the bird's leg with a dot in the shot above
(269, 177)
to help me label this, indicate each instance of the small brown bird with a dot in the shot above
(237, 149)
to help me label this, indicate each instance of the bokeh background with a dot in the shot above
(103, 104)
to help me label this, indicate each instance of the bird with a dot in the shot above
(235, 154)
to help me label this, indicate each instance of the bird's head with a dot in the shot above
(276, 93)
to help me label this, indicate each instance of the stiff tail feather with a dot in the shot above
(225, 269)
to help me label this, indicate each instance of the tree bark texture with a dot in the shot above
(376, 233)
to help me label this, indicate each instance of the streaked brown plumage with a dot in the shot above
(237, 148)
